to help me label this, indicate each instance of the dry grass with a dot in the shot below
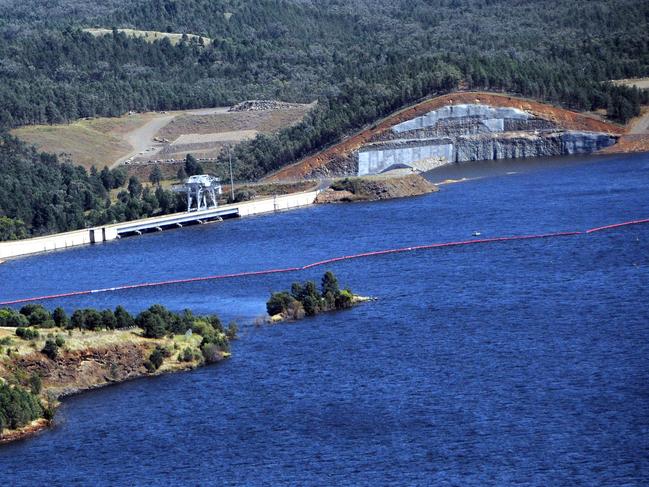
(261, 121)
(234, 136)
(642, 83)
(102, 141)
(95, 142)
(149, 35)
(76, 340)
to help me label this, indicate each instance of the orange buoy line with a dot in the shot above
(326, 262)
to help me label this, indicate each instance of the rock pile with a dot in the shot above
(260, 105)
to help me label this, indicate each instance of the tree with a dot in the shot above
(156, 176)
(152, 324)
(10, 317)
(108, 319)
(134, 187)
(192, 167)
(17, 407)
(157, 358)
(181, 174)
(78, 319)
(119, 177)
(123, 319)
(92, 319)
(279, 303)
(12, 229)
(35, 384)
(330, 288)
(311, 305)
(37, 315)
(107, 178)
(60, 317)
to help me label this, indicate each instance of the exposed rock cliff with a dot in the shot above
(472, 132)
(497, 114)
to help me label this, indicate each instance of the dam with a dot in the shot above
(107, 233)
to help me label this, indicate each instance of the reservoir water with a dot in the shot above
(518, 363)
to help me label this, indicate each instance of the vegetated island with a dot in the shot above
(45, 356)
(304, 299)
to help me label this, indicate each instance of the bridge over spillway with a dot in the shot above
(176, 220)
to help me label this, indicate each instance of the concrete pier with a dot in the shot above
(107, 233)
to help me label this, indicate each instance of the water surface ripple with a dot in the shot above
(518, 363)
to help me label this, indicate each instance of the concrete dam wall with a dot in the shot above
(463, 133)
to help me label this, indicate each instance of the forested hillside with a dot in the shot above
(40, 195)
(360, 58)
(301, 50)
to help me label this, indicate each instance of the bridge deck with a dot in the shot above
(176, 219)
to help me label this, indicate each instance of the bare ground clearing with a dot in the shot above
(642, 83)
(113, 141)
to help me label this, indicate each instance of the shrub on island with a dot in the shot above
(306, 299)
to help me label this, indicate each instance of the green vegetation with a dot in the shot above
(360, 60)
(18, 407)
(40, 195)
(305, 299)
(51, 349)
(157, 358)
(155, 322)
(27, 333)
(171, 341)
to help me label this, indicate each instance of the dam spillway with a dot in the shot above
(471, 132)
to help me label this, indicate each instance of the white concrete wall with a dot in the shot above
(103, 234)
(376, 161)
(278, 203)
(43, 244)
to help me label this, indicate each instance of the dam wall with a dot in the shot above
(107, 233)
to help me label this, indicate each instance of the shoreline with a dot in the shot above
(85, 359)
(41, 424)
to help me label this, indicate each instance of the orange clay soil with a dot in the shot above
(563, 118)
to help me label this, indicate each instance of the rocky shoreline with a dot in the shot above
(94, 360)
(41, 424)
(376, 188)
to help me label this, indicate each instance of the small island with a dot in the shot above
(45, 356)
(304, 299)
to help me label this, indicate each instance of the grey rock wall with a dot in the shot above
(491, 115)
(380, 157)
(472, 132)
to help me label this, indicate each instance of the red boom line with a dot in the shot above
(327, 261)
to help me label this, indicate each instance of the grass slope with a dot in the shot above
(150, 35)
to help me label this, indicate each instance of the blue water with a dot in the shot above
(520, 363)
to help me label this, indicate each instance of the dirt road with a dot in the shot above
(141, 138)
(641, 124)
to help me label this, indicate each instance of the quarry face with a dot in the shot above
(471, 132)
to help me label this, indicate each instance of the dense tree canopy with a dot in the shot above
(39, 194)
(360, 59)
